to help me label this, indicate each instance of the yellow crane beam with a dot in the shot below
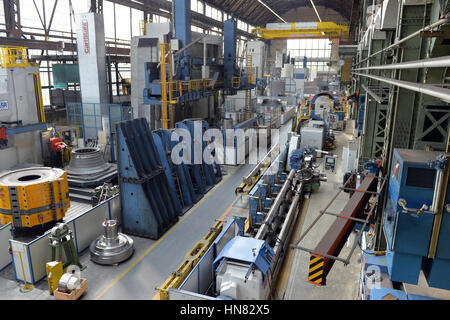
(298, 30)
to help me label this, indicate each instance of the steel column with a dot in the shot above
(182, 23)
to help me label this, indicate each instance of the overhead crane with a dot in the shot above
(299, 30)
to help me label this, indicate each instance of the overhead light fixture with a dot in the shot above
(265, 5)
(317, 12)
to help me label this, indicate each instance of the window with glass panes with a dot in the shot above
(311, 48)
(121, 24)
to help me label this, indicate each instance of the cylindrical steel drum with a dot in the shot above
(87, 161)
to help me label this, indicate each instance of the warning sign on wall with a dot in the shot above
(4, 105)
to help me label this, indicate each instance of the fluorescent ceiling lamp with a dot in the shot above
(265, 5)
(317, 12)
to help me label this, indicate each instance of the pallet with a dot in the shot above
(74, 295)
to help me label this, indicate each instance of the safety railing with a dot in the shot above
(11, 57)
(177, 88)
(236, 82)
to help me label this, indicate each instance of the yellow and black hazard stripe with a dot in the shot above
(315, 275)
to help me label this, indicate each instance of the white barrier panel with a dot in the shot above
(86, 228)
(177, 294)
(5, 235)
(115, 209)
(205, 272)
(39, 251)
(21, 261)
(191, 282)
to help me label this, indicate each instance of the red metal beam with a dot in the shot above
(336, 236)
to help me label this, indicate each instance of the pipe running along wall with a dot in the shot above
(437, 92)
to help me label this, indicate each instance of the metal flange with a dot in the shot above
(112, 247)
(88, 168)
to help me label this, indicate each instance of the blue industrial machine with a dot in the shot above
(148, 206)
(185, 63)
(261, 197)
(204, 175)
(409, 218)
(299, 156)
(227, 268)
(182, 182)
(212, 172)
(168, 172)
(229, 53)
(374, 282)
(182, 22)
(372, 166)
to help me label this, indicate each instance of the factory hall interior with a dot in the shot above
(224, 150)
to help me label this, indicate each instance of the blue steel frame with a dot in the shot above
(189, 197)
(182, 22)
(148, 208)
(229, 51)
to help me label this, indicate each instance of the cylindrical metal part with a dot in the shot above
(411, 36)
(268, 156)
(68, 282)
(87, 168)
(437, 191)
(439, 62)
(290, 217)
(87, 161)
(276, 204)
(204, 51)
(110, 228)
(112, 247)
(437, 92)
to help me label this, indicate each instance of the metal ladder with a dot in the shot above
(177, 184)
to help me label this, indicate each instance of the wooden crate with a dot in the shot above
(74, 295)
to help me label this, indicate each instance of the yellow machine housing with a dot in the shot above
(54, 271)
(33, 197)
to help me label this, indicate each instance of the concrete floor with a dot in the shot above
(342, 281)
